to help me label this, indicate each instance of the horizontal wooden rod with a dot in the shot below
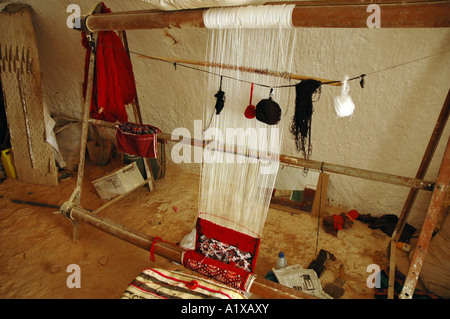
(403, 14)
(358, 172)
(310, 164)
(172, 252)
(240, 68)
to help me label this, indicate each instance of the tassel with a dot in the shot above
(220, 103)
(220, 96)
(301, 122)
(250, 110)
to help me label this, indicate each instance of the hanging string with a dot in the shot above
(320, 206)
(220, 96)
(361, 77)
(220, 103)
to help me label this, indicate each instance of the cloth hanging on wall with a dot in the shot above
(114, 85)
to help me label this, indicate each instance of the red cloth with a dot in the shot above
(219, 266)
(240, 241)
(226, 274)
(143, 145)
(338, 221)
(114, 85)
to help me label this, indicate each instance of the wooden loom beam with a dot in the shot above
(321, 14)
(311, 164)
(260, 286)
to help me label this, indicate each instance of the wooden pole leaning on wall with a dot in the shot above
(306, 14)
(260, 286)
(423, 167)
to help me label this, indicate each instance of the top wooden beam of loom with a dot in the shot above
(306, 14)
(238, 68)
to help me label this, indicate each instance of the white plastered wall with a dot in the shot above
(388, 132)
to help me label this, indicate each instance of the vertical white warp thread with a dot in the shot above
(235, 190)
(249, 17)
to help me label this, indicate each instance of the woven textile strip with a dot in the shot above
(223, 254)
(159, 283)
(226, 245)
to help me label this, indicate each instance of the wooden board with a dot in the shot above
(316, 208)
(21, 85)
(321, 195)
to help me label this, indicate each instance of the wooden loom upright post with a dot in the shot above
(429, 223)
(75, 198)
(138, 117)
(85, 124)
(426, 160)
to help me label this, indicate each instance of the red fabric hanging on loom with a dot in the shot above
(137, 139)
(224, 254)
(114, 85)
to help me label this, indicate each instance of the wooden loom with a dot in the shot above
(306, 14)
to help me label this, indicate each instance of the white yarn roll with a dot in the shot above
(343, 104)
(249, 17)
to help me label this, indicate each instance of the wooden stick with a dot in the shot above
(84, 127)
(306, 14)
(240, 68)
(260, 286)
(316, 165)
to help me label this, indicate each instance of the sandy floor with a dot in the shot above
(36, 244)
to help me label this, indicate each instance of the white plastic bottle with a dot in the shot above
(281, 261)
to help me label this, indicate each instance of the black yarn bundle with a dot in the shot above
(301, 122)
(220, 98)
(220, 101)
(268, 111)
